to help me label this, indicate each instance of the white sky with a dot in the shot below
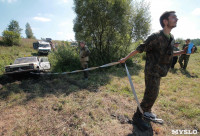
(54, 18)
(187, 11)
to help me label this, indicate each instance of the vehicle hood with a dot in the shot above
(21, 65)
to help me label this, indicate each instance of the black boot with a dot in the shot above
(140, 122)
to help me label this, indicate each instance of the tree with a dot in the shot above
(28, 31)
(108, 26)
(11, 36)
(196, 41)
(141, 20)
(14, 26)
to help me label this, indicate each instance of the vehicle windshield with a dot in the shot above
(25, 60)
(44, 59)
(44, 45)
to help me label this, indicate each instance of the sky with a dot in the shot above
(54, 18)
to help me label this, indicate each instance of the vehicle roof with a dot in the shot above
(29, 57)
(43, 42)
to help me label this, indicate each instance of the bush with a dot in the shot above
(11, 38)
(64, 59)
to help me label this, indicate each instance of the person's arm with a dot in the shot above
(176, 53)
(184, 51)
(128, 56)
(87, 52)
(142, 47)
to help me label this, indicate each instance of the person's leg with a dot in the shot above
(181, 60)
(152, 85)
(83, 67)
(86, 72)
(186, 60)
(174, 61)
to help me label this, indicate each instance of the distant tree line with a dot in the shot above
(12, 35)
(196, 42)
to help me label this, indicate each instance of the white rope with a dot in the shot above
(77, 71)
(133, 89)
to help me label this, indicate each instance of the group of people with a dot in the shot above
(161, 54)
(184, 58)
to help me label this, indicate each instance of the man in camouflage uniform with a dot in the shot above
(84, 58)
(175, 58)
(159, 54)
(185, 57)
(52, 45)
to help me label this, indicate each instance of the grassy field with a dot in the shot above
(66, 105)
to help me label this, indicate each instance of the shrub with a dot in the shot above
(11, 38)
(65, 58)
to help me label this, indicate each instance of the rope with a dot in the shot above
(77, 71)
(133, 89)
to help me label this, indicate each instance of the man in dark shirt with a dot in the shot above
(159, 54)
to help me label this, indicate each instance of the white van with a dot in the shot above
(44, 47)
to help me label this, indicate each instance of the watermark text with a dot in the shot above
(184, 132)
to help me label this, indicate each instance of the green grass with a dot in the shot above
(68, 105)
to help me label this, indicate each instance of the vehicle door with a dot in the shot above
(44, 63)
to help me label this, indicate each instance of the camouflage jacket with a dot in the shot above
(84, 54)
(159, 53)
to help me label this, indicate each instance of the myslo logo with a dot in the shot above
(184, 132)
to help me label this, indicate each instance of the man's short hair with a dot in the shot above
(164, 16)
(187, 39)
(82, 42)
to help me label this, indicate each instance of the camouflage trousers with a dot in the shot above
(184, 58)
(175, 58)
(152, 85)
(84, 65)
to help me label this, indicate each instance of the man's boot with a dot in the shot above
(140, 122)
(150, 114)
(152, 117)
